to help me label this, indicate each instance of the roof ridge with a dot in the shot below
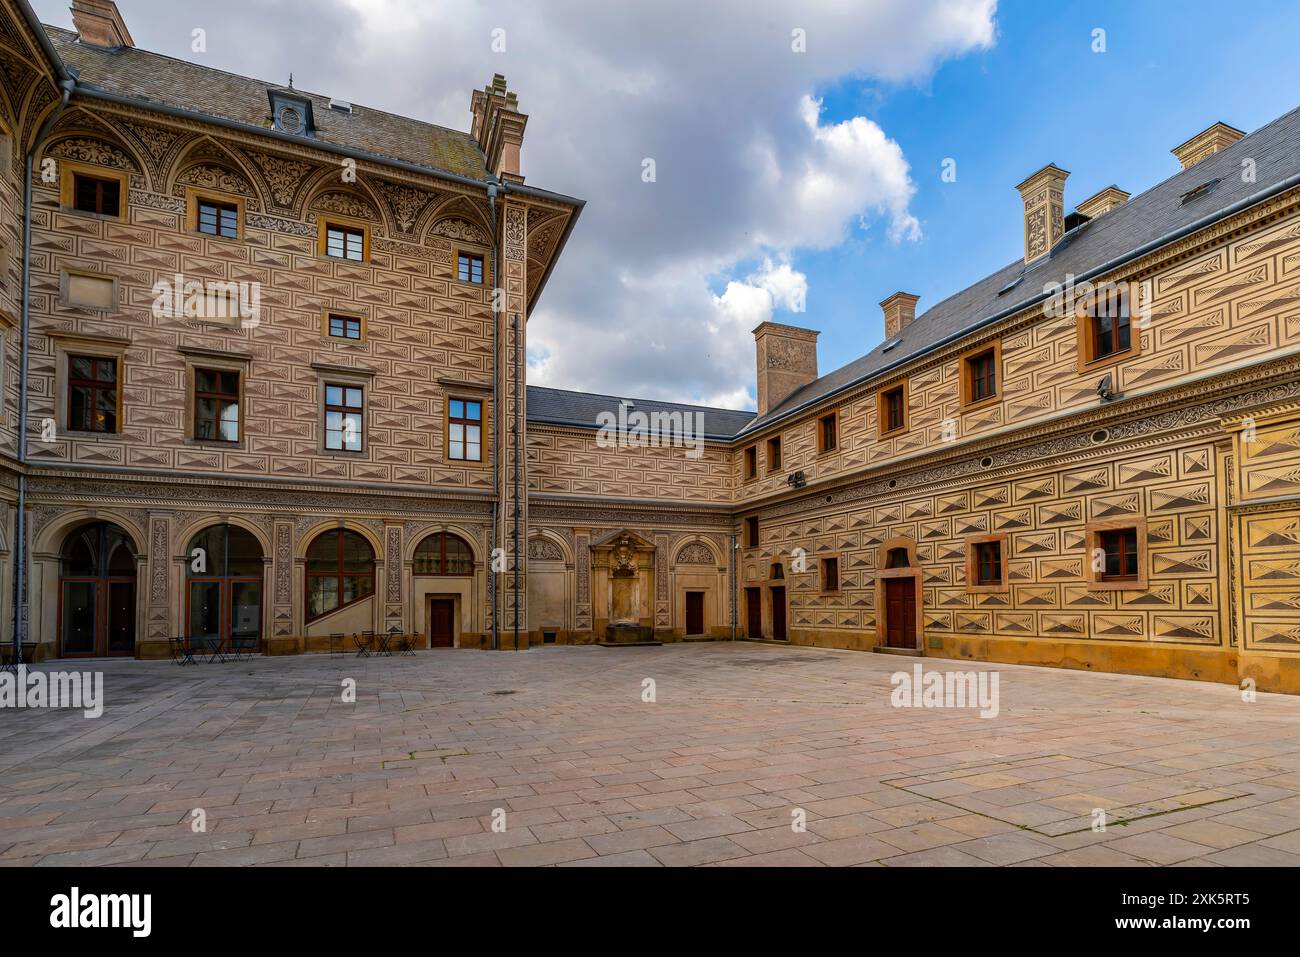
(620, 398)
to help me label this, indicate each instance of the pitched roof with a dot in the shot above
(141, 75)
(1145, 220)
(562, 407)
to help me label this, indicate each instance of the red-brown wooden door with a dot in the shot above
(695, 613)
(442, 617)
(754, 612)
(778, 614)
(900, 612)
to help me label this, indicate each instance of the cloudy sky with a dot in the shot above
(797, 147)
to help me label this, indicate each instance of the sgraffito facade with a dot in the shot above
(1089, 459)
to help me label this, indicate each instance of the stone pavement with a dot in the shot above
(740, 737)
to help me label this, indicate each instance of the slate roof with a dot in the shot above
(562, 407)
(1144, 219)
(142, 75)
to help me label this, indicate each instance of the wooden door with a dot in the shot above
(900, 612)
(754, 612)
(442, 622)
(695, 613)
(778, 614)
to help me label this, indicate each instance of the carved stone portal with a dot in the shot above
(623, 565)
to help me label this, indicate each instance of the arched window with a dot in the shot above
(443, 553)
(897, 558)
(224, 566)
(97, 592)
(340, 571)
(778, 571)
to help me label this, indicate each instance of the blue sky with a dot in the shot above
(1041, 95)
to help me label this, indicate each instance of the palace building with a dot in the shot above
(263, 383)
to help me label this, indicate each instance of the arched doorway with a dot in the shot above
(439, 555)
(97, 568)
(898, 597)
(223, 598)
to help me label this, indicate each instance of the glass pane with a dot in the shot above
(230, 422)
(79, 367)
(459, 560)
(80, 553)
(426, 557)
(473, 453)
(323, 553)
(246, 610)
(472, 410)
(352, 432)
(78, 618)
(121, 555)
(245, 554)
(472, 435)
(206, 554)
(79, 400)
(357, 554)
(322, 595)
(121, 618)
(353, 399)
(357, 586)
(456, 450)
(457, 432)
(333, 395)
(457, 409)
(205, 610)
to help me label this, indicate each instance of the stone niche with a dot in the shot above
(623, 586)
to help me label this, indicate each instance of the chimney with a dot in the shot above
(99, 24)
(900, 309)
(1102, 202)
(1044, 197)
(787, 360)
(1206, 143)
(498, 128)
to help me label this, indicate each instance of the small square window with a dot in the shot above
(893, 409)
(216, 405)
(980, 376)
(1106, 332)
(96, 194)
(469, 268)
(92, 394)
(465, 430)
(344, 327)
(345, 242)
(217, 219)
(1117, 556)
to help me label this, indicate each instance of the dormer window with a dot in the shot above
(291, 113)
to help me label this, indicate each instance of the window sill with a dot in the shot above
(1118, 584)
(982, 403)
(1105, 362)
(119, 218)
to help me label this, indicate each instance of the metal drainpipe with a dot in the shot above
(518, 432)
(496, 419)
(20, 520)
(734, 589)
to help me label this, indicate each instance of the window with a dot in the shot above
(1117, 555)
(344, 406)
(751, 533)
(96, 194)
(893, 409)
(1106, 331)
(830, 574)
(345, 242)
(343, 327)
(751, 463)
(1120, 552)
(985, 568)
(92, 394)
(443, 553)
(828, 439)
(979, 373)
(774, 454)
(469, 268)
(465, 430)
(898, 558)
(340, 571)
(218, 219)
(216, 405)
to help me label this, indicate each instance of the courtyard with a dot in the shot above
(554, 756)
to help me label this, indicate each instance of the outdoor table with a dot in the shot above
(363, 645)
(382, 639)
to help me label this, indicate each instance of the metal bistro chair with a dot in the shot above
(243, 647)
(362, 641)
(217, 650)
(182, 653)
(337, 650)
(406, 645)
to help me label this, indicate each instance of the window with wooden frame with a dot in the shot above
(986, 565)
(344, 417)
(464, 430)
(94, 190)
(469, 268)
(340, 571)
(828, 433)
(981, 375)
(94, 396)
(751, 463)
(216, 405)
(341, 325)
(751, 533)
(830, 575)
(1106, 332)
(443, 553)
(344, 239)
(212, 214)
(892, 409)
(774, 454)
(1117, 555)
